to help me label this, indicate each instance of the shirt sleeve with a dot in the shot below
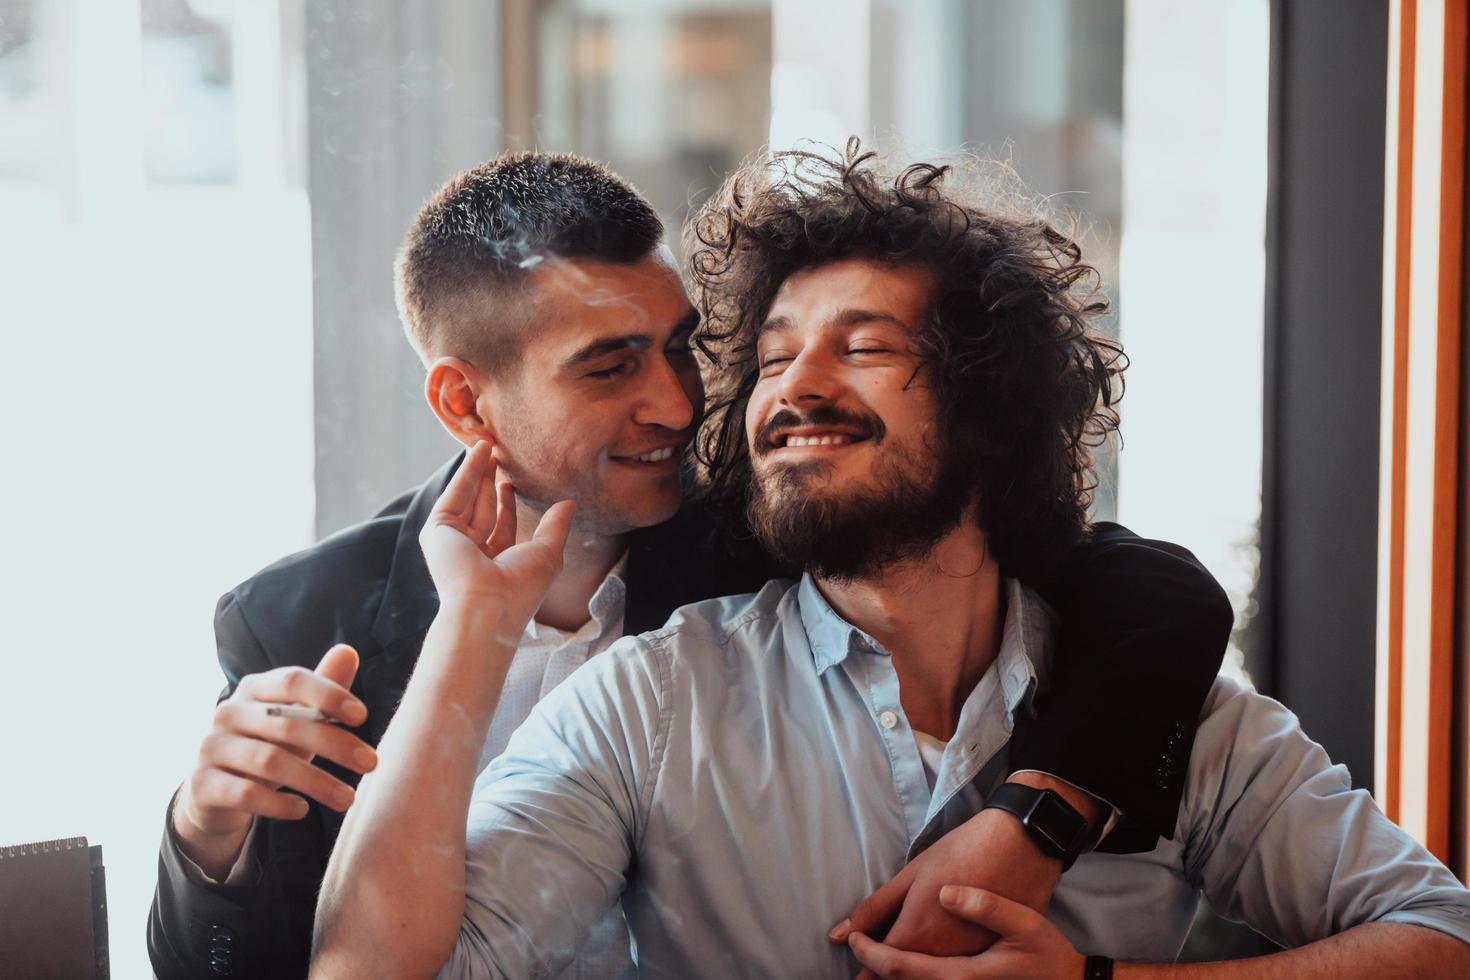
(245, 870)
(1276, 837)
(554, 822)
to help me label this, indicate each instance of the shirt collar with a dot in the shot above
(1024, 660)
(831, 637)
(605, 609)
(1022, 663)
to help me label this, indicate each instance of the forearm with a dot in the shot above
(1376, 950)
(389, 908)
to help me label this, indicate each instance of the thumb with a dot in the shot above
(1005, 918)
(339, 665)
(875, 911)
(554, 527)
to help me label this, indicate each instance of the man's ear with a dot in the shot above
(454, 389)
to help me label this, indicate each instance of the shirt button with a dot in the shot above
(888, 720)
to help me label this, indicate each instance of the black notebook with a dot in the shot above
(53, 910)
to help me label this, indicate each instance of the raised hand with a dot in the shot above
(470, 544)
(249, 757)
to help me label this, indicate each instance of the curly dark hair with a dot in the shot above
(1012, 344)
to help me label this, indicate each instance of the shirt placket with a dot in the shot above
(879, 682)
(975, 754)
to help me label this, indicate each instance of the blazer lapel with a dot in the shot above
(409, 604)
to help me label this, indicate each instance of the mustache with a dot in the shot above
(867, 426)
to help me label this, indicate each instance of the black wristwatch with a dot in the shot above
(1053, 824)
(1097, 968)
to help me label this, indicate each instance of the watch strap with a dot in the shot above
(1097, 968)
(1024, 801)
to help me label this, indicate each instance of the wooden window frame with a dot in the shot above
(1420, 572)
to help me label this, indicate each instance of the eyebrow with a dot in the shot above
(849, 317)
(632, 341)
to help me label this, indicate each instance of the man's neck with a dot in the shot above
(940, 616)
(589, 557)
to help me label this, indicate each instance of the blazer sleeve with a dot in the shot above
(1143, 632)
(254, 929)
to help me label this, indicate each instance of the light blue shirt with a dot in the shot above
(741, 778)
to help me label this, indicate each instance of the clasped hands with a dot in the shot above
(968, 908)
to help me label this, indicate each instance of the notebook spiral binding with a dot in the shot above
(43, 847)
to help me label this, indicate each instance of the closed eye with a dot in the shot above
(607, 374)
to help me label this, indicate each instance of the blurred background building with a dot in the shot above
(200, 201)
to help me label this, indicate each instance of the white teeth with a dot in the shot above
(657, 456)
(831, 440)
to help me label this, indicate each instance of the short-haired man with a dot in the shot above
(553, 323)
(913, 378)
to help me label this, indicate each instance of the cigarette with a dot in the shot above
(300, 712)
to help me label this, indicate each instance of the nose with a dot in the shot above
(808, 379)
(669, 396)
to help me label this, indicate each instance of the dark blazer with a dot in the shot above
(1144, 628)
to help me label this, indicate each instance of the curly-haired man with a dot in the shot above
(910, 383)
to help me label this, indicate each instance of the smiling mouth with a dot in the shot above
(794, 440)
(662, 455)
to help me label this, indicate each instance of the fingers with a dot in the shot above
(896, 964)
(222, 790)
(307, 739)
(297, 685)
(483, 513)
(555, 525)
(1008, 919)
(457, 501)
(877, 910)
(339, 665)
(267, 763)
(505, 518)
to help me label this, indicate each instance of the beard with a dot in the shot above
(847, 535)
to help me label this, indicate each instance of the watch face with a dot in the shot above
(1063, 825)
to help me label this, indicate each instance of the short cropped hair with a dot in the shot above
(1025, 378)
(461, 274)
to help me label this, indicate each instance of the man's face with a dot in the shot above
(606, 395)
(852, 468)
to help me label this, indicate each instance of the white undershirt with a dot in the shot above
(931, 754)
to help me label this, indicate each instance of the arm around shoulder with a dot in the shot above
(1143, 630)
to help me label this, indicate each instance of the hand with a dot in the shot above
(470, 545)
(990, 850)
(1028, 946)
(248, 757)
